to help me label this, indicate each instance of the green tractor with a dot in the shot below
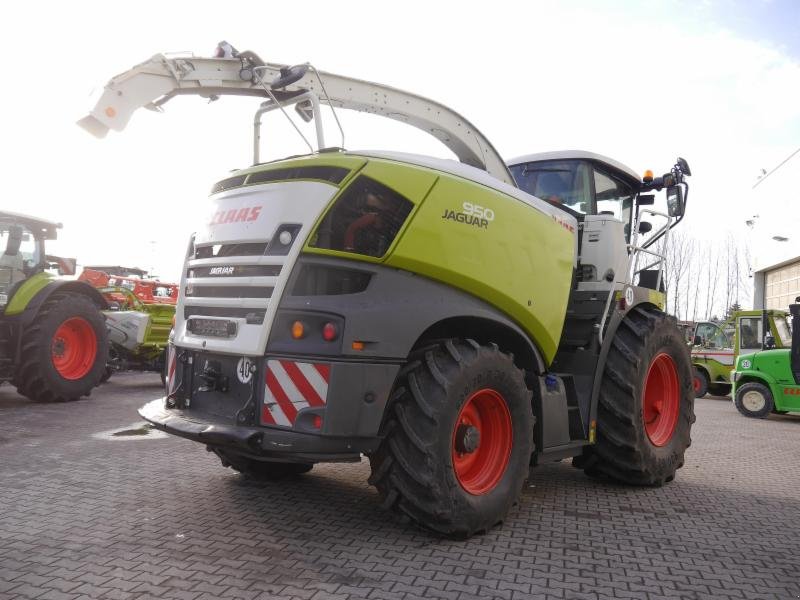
(769, 381)
(53, 337)
(717, 344)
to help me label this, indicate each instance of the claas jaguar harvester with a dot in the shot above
(454, 321)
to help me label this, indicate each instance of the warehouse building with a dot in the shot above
(777, 286)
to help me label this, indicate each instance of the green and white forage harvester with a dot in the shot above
(454, 321)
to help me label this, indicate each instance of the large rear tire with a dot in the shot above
(646, 405)
(457, 438)
(64, 352)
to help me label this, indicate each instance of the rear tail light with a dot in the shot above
(316, 423)
(330, 332)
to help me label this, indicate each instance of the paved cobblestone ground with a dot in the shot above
(84, 514)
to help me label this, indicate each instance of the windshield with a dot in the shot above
(783, 330)
(562, 183)
(20, 254)
(713, 336)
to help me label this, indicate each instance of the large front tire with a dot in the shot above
(64, 352)
(646, 404)
(458, 437)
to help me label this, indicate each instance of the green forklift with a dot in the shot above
(53, 337)
(769, 381)
(716, 346)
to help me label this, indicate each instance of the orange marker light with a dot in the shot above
(111, 112)
(648, 176)
(358, 345)
(298, 330)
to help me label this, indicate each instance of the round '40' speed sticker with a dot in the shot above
(244, 369)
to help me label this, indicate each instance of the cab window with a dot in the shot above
(563, 183)
(750, 333)
(613, 197)
(713, 336)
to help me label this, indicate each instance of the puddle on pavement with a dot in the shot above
(136, 431)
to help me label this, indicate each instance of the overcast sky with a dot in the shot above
(717, 82)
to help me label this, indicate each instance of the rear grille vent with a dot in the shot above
(235, 271)
(253, 316)
(332, 174)
(228, 291)
(226, 184)
(320, 173)
(222, 250)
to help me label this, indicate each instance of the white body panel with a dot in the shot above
(299, 202)
(604, 247)
(127, 328)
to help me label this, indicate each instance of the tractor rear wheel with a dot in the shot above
(646, 404)
(457, 438)
(260, 470)
(63, 354)
(700, 383)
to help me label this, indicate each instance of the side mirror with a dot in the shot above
(65, 266)
(698, 341)
(645, 227)
(675, 203)
(683, 166)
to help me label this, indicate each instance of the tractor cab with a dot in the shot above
(22, 241)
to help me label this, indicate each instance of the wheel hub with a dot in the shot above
(481, 442)
(468, 438)
(73, 348)
(661, 400)
(753, 401)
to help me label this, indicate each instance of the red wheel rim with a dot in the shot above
(74, 348)
(696, 383)
(662, 397)
(479, 471)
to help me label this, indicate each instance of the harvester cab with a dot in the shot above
(53, 338)
(455, 321)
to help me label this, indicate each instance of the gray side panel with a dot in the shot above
(393, 311)
(357, 398)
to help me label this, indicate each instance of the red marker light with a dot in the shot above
(317, 422)
(329, 332)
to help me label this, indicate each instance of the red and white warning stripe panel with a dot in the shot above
(290, 387)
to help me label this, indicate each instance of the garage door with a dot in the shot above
(782, 286)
